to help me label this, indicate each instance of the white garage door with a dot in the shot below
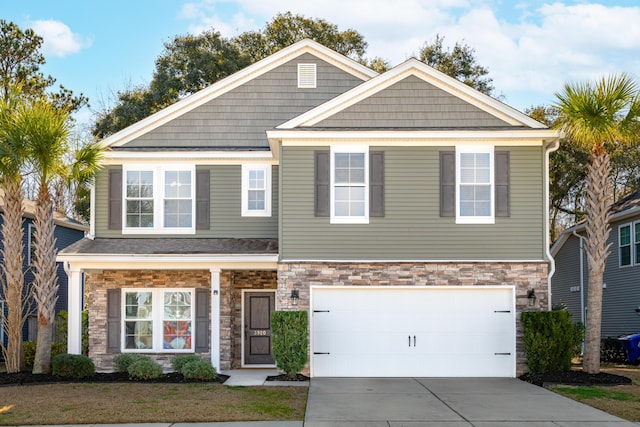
(403, 332)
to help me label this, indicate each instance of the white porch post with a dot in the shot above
(74, 338)
(215, 318)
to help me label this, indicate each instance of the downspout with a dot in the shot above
(552, 263)
(581, 238)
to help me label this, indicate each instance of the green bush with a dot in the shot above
(611, 351)
(177, 362)
(550, 340)
(29, 351)
(122, 361)
(290, 340)
(145, 370)
(198, 370)
(72, 365)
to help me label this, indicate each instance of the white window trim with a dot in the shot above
(307, 71)
(158, 199)
(490, 219)
(334, 219)
(157, 319)
(246, 168)
(632, 244)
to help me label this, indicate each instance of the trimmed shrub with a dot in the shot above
(177, 362)
(122, 361)
(198, 370)
(290, 340)
(550, 340)
(611, 351)
(72, 366)
(29, 351)
(145, 370)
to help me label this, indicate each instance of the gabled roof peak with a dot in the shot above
(233, 81)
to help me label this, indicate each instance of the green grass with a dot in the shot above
(584, 393)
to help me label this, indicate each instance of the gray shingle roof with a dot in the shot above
(171, 246)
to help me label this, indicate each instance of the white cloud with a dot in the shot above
(58, 39)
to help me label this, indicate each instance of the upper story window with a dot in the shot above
(159, 199)
(475, 185)
(307, 76)
(158, 320)
(256, 190)
(349, 185)
(629, 244)
(31, 244)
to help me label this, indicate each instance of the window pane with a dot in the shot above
(625, 255)
(256, 200)
(342, 209)
(637, 245)
(177, 333)
(138, 330)
(342, 160)
(625, 235)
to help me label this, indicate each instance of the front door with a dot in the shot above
(257, 327)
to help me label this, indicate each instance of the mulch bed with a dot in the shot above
(575, 377)
(27, 378)
(283, 377)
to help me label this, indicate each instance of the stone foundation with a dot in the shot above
(524, 276)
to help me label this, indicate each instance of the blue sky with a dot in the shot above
(530, 47)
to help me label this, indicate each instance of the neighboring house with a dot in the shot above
(620, 296)
(67, 231)
(405, 211)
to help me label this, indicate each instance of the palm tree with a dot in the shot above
(12, 274)
(596, 115)
(46, 131)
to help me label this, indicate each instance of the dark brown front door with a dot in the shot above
(257, 327)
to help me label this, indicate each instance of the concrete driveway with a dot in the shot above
(445, 402)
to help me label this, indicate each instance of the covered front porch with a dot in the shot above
(216, 278)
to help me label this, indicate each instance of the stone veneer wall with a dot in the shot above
(524, 275)
(97, 284)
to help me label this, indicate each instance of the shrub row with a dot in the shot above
(142, 367)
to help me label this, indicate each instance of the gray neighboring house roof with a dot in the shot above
(171, 246)
(625, 207)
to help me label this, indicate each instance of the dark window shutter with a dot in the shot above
(447, 183)
(202, 320)
(115, 199)
(502, 204)
(202, 199)
(113, 320)
(322, 178)
(376, 183)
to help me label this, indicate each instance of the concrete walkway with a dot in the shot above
(445, 402)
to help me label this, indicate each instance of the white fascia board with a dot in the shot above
(201, 157)
(171, 262)
(416, 261)
(415, 137)
(233, 81)
(428, 74)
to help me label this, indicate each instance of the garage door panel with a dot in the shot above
(413, 332)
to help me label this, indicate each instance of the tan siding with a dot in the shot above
(412, 102)
(226, 219)
(412, 227)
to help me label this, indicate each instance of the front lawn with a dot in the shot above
(113, 403)
(622, 401)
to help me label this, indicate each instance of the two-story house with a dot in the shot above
(620, 296)
(405, 211)
(67, 231)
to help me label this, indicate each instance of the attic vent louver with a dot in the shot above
(306, 76)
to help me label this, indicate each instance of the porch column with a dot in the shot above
(74, 338)
(215, 318)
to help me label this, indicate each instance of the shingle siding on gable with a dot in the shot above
(411, 227)
(239, 118)
(412, 102)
